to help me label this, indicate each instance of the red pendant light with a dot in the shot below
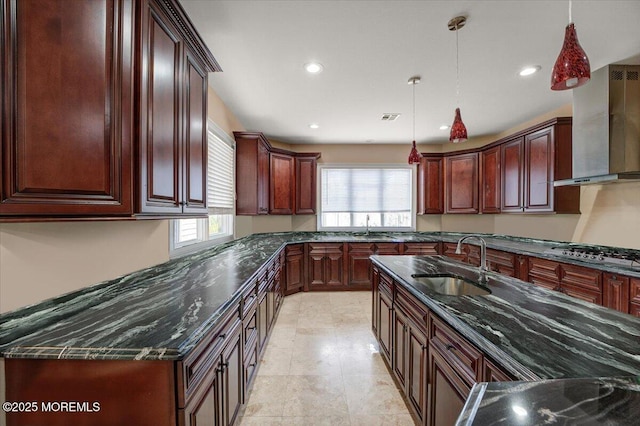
(414, 156)
(572, 67)
(458, 129)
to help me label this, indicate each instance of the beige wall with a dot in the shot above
(43, 260)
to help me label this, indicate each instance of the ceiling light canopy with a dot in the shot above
(444, 127)
(414, 156)
(572, 67)
(526, 71)
(458, 129)
(314, 126)
(313, 67)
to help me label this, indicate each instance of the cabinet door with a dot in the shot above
(334, 266)
(490, 185)
(385, 315)
(263, 321)
(417, 370)
(375, 302)
(461, 183)
(232, 375)
(430, 186)
(206, 410)
(634, 297)
(282, 184)
(305, 185)
(160, 105)
(325, 266)
(616, 292)
(67, 121)
(447, 391)
(399, 346)
(512, 178)
(294, 269)
(263, 179)
(195, 149)
(359, 265)
(316, 267)
(538, 178)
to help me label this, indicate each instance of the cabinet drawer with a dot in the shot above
(249, 300)
(414, 309)
(582, 277)
(200, 364)
(385, 284)
(462, 355)
(250, 326)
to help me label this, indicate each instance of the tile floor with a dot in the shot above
(322, 367)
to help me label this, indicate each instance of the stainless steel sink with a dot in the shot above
(451, 285)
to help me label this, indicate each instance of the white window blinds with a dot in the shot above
(220, 194)
(366, 190)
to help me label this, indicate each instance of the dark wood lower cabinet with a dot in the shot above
(616, 292)
(325, 267)
(358, 264)
(294, 276)
(447, 391)
(385, 318)
(433, 365)
(416, 359)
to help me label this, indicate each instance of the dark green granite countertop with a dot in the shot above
(162, 312)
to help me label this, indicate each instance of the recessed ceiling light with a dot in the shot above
(529, 70)
(314, 126)
(444, 127)
(313, 67)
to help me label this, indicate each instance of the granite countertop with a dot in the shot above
(600, 401)
(163, 311)
(534, 333)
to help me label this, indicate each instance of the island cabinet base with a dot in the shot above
(433, 365)
(61, 392)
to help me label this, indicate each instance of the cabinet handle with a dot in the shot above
(451, 347)
(182, 203)
(251, 328)
(613, 277)
(253, 364)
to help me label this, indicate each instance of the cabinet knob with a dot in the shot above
(451, 347)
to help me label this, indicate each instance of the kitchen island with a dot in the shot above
(183, 323)
(514, 333)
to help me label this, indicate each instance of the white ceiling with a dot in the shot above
(370, 49)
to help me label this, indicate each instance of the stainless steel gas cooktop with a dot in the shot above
(603, 254)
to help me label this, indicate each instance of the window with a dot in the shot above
(193, 234)
(350, 195)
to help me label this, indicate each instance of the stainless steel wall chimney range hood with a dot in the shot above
(606, 127)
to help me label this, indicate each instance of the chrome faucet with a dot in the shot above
(367, 224)
(483, 250)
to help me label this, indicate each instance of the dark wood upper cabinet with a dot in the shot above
(430, 185)
(490, 180)
(282, 191)
(252, 173)
(461, 183)
(306, 169)
(114, 123)
(272, 180)
(67, 91)
(512, 178)
(530, 164)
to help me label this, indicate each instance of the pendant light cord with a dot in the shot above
(457, 71)
(570, 19)
(414, 110)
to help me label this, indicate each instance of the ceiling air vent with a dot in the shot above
(390, 116)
